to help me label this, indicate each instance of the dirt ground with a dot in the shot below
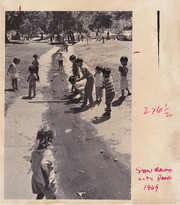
(89, 156)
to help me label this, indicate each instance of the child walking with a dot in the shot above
(98, 83)
(60, 58)
(35, 65)
(108, 84)
(13, 72)
(43, 179)
(123, 71)
(32, 78)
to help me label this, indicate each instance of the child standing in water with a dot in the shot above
(32, 78)
(123, 71)
(43, 179)
(98, 83)
(35, 65)
(60, 58)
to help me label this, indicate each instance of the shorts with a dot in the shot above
(38, 188)
(60, 62)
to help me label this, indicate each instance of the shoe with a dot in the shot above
(106, 114)
(83, 106)
(16, 88)
(129, 94)
(91, 105)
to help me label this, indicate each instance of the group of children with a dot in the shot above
(42, 160)
(102, 79)
(43, 179)
(32, 78)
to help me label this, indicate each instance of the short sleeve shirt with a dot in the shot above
(40, 157)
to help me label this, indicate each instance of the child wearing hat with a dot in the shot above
(35, 65)
(108, 84)
(124, 71)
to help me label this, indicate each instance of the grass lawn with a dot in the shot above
(25, 53)
(107, 55)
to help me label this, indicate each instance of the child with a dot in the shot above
(32, 78)
(75, 69)
(72, 80)
(35, 65)
(88, 89)
(123, 71)
(13, 72)
(108, 84)
(98, 83)
(60, 58)
(43, 179)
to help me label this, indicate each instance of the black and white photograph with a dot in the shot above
(68, 105)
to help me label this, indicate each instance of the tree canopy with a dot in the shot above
(32, 23)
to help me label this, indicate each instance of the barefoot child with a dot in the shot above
(32, 78)
(35, 65)
(108, 84)
(13, 72)
(123, 71)
(98, 83)
(43, 179)
(60, 58)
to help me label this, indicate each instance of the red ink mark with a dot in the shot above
(157, 169)
(154, 109)
(160, 177)
(149, 187)
(144, 171)
(136, 52)
(157, 110)
(147, 178)
(19, 8)
(146, 112)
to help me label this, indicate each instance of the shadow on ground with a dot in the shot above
(119, 101)
(76, 110)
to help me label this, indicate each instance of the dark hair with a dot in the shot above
(16, 60)
(98, 68)
(106, 70)
(72, 79)
(72, 57)
(35, 56)
(45, 135)
(124, 58)
(79, 60)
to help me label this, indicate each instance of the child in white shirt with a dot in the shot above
(98, 83)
